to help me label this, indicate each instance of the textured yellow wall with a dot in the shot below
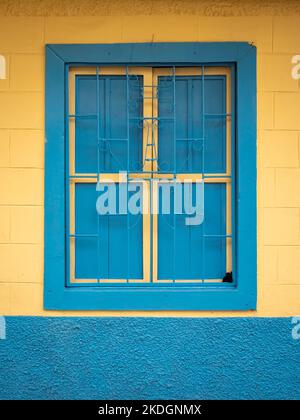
(25, 27)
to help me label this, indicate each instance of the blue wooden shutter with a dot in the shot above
(101, 242)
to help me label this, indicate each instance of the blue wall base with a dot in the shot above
(149, 358)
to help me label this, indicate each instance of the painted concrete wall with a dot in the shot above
(225, 358)
(22, 41)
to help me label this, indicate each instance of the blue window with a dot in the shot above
(133, 127)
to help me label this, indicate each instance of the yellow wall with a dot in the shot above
(25, 27)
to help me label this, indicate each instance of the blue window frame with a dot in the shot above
(122, 271)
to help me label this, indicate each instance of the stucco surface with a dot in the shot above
(148, 7)
(149, 358)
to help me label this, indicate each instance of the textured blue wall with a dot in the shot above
(136, 358)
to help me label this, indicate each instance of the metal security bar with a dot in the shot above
(149, 171)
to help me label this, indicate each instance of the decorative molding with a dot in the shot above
(149, 7)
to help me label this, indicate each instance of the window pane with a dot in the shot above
(196, 257)
(104, 254)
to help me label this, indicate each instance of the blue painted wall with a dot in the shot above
(124, 358)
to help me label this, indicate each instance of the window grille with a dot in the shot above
(153, 124)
